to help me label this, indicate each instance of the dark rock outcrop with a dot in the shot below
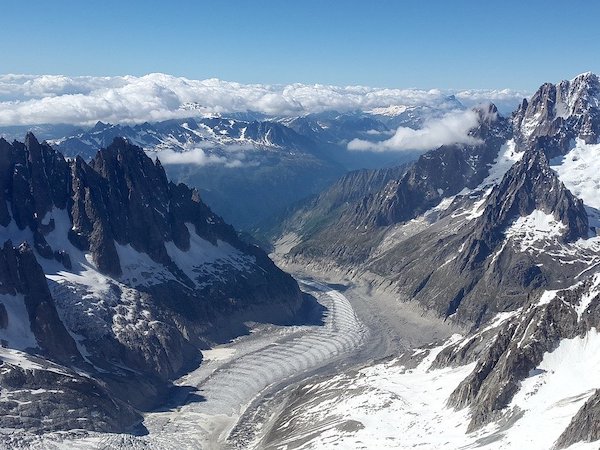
(472, 270)
(529, 185)
(3, 316)
(585, 426)
(20, 273)
(34, 177)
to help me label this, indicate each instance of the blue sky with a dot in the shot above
(423, 44)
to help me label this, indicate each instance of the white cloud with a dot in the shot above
(36, 99)
(197, 157)
(506, 100)
(453, 128)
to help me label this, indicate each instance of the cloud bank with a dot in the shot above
(197, 157)
(52, 99)
(453, 128)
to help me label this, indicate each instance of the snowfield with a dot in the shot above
(386, 406)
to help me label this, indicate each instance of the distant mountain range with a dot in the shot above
(251, 167)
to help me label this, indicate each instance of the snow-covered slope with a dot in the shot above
(579, 170)
(391, 406)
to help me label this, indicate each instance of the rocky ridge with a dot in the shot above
(559, 113)
(126, 277)
(529, 185)
(438, 174)
(226, 159)
(509, 252)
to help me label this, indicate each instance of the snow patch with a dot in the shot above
(139, 269)
(534, 228)
(500, 318)
(589, 296)
(26, 362)
(507, 157)
(204, 258)
(546, 298)
(218, 354)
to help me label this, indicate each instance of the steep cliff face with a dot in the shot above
(128, 275)
(438, 174)
(558, 113)
(123, 197)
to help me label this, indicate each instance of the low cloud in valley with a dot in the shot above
(453, 128)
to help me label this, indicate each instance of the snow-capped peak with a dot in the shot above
(576, 102)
